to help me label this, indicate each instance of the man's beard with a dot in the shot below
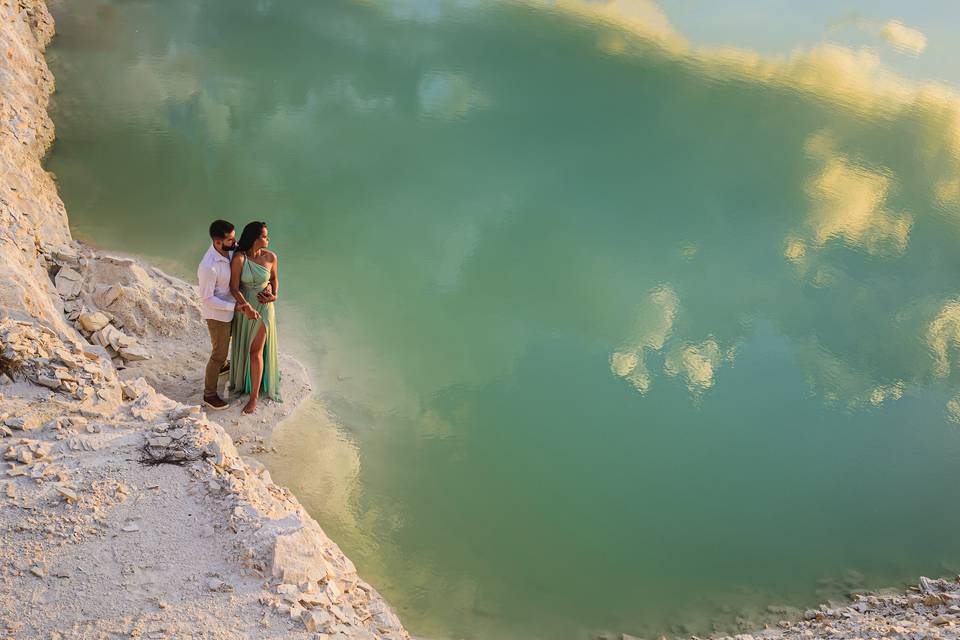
(231, 247)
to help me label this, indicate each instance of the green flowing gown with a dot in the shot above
(253, 278)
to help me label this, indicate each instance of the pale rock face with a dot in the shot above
(298, 557)
(93, 321)
(31, 212)
(47, 381)
(105, 295)
(317, 620)
(116, 342)
(147, 403)
(133, 352)
(23, 423)
(69, 283)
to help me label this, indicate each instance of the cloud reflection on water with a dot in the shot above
(695, 362)
(838, 382)
(904, 38)
(654, 323)
(850, 78)
(448, 95)
(849, 192)
(848, 201)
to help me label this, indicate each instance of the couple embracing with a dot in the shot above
(238, 286)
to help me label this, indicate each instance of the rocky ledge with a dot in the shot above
(928, 611)
(127, 512)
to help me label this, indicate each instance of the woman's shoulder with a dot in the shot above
(271, 256)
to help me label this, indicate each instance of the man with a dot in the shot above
(217, 305)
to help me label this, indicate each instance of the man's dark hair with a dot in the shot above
(219, 229)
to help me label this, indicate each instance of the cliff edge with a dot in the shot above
(123, 509)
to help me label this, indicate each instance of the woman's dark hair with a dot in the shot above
(251, 232)
(219, 229)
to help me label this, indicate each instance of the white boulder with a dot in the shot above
(93, 321)
(69, 283)
(298, 557)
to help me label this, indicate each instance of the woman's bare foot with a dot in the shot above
(250, 407)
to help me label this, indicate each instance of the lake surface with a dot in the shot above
(615, 329)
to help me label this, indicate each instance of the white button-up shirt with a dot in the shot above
(213, 274)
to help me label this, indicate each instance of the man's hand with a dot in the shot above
(249, 312)
(266, 295)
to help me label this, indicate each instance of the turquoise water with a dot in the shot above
(614, 330)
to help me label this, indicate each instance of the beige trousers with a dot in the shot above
(220, 343)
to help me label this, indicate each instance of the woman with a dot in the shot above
(253, 282)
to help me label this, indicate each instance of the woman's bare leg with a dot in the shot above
(256, 367)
